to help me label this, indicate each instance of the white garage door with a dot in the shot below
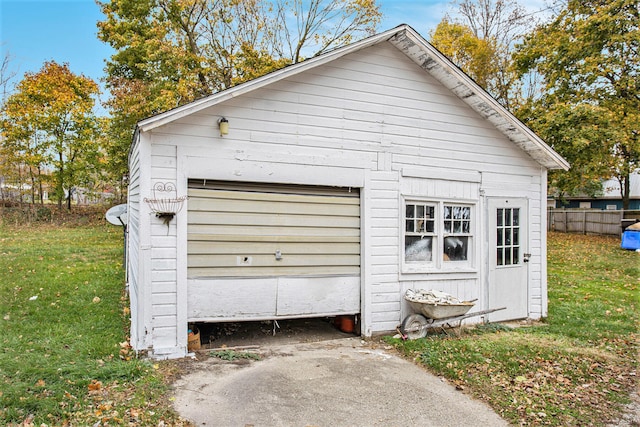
(263, 252)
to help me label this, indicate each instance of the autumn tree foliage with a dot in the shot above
(49, 132)
(476, 56)
(480, 38)
(589, 111)
(170, 52)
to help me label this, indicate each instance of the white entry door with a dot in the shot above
(508, 258)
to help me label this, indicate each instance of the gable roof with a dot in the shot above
(412, 44)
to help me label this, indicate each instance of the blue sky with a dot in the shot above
(35, 31)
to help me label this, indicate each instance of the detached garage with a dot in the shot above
(332, 187)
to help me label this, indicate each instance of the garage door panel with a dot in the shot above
(273, 220)
(249, 261)
(257, 248)
(233, 272)
(328, 233)
(211, 238)
(276, 195)
(331, 295)
(239, 298)
(336, 207)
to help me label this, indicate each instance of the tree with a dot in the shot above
(48, 122)
(589, 110)
(480, 39)
(6, 74)
(170, 52)
(475, 56)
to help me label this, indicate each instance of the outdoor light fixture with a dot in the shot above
(223, 124)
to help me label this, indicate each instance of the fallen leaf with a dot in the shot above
(95, 385)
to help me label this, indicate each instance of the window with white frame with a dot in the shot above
(437, 234)
(419, 232)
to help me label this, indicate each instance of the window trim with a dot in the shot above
(437, 263)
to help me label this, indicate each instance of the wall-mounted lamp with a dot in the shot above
(223, 124)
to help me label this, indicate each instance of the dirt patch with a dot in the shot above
(268, 333)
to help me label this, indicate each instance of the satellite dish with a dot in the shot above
(117, 215)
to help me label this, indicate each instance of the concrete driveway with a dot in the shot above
(340, 382)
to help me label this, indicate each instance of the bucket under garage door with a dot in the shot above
(261, 252)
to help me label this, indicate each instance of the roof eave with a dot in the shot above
(443, 70)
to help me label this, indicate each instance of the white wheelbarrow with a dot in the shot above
(435, 310)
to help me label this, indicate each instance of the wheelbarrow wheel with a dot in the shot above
(414, 326)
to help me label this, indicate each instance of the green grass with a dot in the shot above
(576, 368)
(232, 355)
(64, 356)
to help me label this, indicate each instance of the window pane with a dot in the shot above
(466, 213)
(507, 256)
(457, 227)
(420, 211)
(507, 236)
(409, 225)
(447, 226)
(507, 217)
(516, 216)
(430, 212)
(516, 236)
(447, 212)
(499, 238)
(430, 226)
(456, 248)
(417, 249)
(499, 256)
(516, 255)
(500, 217)
(466, 227)
(410, 211)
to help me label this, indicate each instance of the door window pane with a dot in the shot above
(508, 236)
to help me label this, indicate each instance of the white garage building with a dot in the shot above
(341, 182)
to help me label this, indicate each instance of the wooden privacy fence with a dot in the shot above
(585, 221)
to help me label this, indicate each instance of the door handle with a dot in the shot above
(526, 257)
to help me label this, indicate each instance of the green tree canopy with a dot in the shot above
(589, 109)
(48, 123)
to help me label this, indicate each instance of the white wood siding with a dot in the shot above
(363, 119)
(134, 267)
(163, 301)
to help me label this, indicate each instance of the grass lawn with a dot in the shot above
(64, 356)
(578, 367)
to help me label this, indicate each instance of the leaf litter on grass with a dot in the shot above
(578, 367)
(64, 356)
